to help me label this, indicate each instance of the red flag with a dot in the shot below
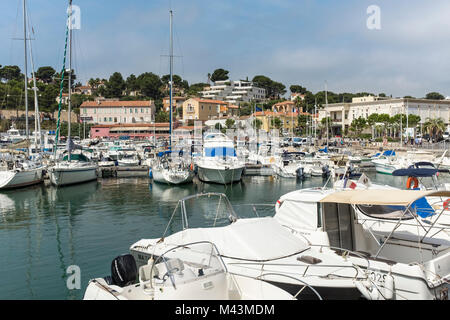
(353, 185)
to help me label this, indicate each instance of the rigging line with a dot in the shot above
(181, 54)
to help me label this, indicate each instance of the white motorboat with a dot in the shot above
(78, 170)
(189, 272)
(405, 254)
(219, 163)
(258, 248)
(128, 159)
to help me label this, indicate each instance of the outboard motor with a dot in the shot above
(299, 172)
(124, 270)
(325, 171)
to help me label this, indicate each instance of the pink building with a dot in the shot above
(132, 130)
(110, 112)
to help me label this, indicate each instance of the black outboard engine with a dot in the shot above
(325, 171)
(124, 270)
(299, 172)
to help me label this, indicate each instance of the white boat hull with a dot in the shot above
(224, 175)
(62, 176)
(11, 179)
(172, 177)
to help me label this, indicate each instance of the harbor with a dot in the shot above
(150, 187)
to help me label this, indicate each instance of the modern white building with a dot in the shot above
(234, 91)
(342, 114)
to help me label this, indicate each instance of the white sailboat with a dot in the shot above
(74, 167)
(19, 171)
(170, 168)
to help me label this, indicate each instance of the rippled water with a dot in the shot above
(43, 230)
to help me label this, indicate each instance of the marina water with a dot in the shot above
(44, 230)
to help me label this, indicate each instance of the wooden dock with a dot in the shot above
(123, 172)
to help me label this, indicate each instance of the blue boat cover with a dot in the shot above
(415, 172)
(389, 153)
(324, 150)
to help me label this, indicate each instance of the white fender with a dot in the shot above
(363, 287)
(389, 287)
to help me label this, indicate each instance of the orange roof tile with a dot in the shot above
(92, 104)
(210, 101)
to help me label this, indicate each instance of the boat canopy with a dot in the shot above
(415, 172)
(389, 153)
(382, 197)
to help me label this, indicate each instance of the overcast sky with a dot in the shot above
(294, 42)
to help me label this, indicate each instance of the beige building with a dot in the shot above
(109, 112)
(203, 109)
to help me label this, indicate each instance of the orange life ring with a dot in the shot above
(191, 167)
(410, 180)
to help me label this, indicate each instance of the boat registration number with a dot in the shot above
(379, 278)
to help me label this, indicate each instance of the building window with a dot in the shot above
(142, 110)
(104, 119)
(131, 110)
(135, 110)
(84, 110)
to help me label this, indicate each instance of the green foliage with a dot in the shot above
(219, 75)
(150, 85)
(273, 89)
(162, 116)
(229, 123)
(45, 74)
(298, 89)
(115, 86)
(434, 96)
(195, 88)
(257, 124)
(10, 73)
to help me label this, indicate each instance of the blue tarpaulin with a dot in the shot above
(220, 152)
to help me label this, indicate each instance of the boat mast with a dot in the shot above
(26, 64)
(70, 76)
(171, 76)
(326, 108)
(37, 124)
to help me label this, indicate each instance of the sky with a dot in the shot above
(305, 42)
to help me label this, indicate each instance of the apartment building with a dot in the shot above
(234, 91)
(115, 111)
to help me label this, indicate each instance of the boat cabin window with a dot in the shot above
(338, 223)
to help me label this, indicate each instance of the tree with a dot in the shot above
(10, 73)
(150, 85)
(45, 74)
(358, 125)
(434, 96)
(219, 75)
(276, 122)
(297, 89)
(273, 89)
(257, 124)
(434, 127)
(162, 116)
(229, 123)
(195, 88)
(131, 83)
(115, 86)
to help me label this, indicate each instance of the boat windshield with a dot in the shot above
(202, 210)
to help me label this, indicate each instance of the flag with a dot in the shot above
(353, 185)
(258, 109)
(364, 180)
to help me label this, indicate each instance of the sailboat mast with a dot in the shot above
(70, 77)
(171, 77)
(326, 108)
(26, 64)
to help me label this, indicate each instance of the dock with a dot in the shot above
(122, 172)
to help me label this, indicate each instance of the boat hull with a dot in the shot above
(167, 177)
(220, 175)
(67, 176)
(11, 180)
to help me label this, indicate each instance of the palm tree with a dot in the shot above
(434, 127)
